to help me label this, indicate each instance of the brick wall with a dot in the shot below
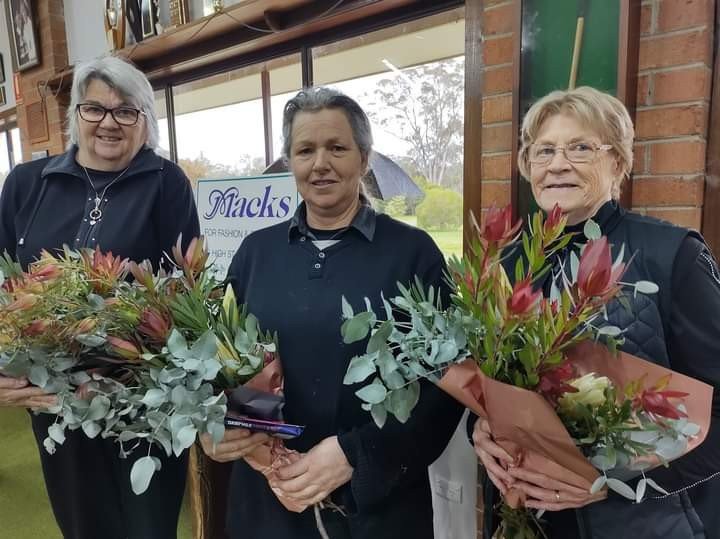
(672, 114)
(498, 19)
(49, 16)
(675, 72)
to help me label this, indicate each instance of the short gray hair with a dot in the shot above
(126, 80)
(320, 98)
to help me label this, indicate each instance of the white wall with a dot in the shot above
(453, 478)
(7, 60)
(84, 30)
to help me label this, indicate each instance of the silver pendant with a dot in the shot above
(93, 222)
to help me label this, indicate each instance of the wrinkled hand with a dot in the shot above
(544, 492)
(236, 444)
(316, 475)
(492, 456)
(19, 392)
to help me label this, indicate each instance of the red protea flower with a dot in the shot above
(84, 326)
(36, 327)
(23, 302)
(104, 269)
(656, 399)
(155, 324)
(553, 382)
(523, 298)
(596, 276)
(143, 274)
(44, 272)
(555, 221)
(123, 348)
(498, 227)
(193, 262)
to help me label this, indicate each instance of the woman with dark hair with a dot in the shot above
(292, 277)
(108, 190)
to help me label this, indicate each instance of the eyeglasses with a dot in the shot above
(575, 152)
(96, 113)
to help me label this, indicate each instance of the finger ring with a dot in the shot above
(557, 495)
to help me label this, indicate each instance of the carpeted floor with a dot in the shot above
(24, 509)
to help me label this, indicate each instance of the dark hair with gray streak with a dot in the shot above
(320, 98)
(126, 80)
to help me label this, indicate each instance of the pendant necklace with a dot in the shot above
(96, 213)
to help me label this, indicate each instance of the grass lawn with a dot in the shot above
(449, 241)
(24, 508)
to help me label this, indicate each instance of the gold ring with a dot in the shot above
(557, 495)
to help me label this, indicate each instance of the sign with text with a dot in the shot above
(230, 209)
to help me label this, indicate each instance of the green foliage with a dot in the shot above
(440, 210)
(396, 206)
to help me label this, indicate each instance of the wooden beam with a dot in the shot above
(627, 76)
(472, 144)
(267, 116)
(711, 204)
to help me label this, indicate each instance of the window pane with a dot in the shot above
(219, 125)
(4, 157)
(285, 82)
(410, 81)
(161, 111)
(17, 145)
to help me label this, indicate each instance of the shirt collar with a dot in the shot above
(363, 222)
(144, 161)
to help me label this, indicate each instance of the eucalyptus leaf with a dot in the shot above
(177, 345)
(91, 429)
(359, 369)
(96, 302)
(184, 438)
(99, 407)
(374, 393)
(592, 230)
(356, 328)
(205, 347)
(379, 414)
(621, 488)
(154, 398)
(90, 340)
(610, 331)
(640, 490)
(49, 445)
(646, 287)
(57, 433)
(38, 375)
(379, 338)
(347, 309)
(657, 487)
(141, 474)
(598, 484)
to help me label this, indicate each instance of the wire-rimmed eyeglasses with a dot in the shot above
(575, 152)
(91, 112)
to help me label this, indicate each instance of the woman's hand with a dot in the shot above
(19, 392)
(492, 456)
(544, 492)
(236, 444)
(317, 474)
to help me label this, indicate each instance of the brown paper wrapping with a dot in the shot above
(526, 426)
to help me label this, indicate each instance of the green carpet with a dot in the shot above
(24, 508)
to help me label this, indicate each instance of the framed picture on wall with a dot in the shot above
(24, 38)
(2, 69)
(148, 16)
(3, 97)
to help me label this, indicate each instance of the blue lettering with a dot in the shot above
(229, 203)
(249, 211)
(285, 206)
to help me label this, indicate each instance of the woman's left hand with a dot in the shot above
(544, 492)
(318, 473)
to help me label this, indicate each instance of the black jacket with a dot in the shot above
(677, 328)
(296, 289)
(44, 205)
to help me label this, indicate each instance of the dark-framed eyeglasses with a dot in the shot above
(575, 152)
(93, 113)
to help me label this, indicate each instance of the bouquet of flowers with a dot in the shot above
(153, 359)
(606, 416)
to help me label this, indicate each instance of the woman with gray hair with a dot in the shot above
(108, 190)
(292, 277)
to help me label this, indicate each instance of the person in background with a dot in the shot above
(576, 150)
(292, 277)
(108, 190)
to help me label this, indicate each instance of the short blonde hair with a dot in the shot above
(603, 113)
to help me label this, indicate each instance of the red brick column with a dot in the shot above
(49, 16)
(675, 70)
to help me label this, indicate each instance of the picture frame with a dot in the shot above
(148, 18)
(23, 34)
(2, 69)
(132, 13)
(3, 96)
